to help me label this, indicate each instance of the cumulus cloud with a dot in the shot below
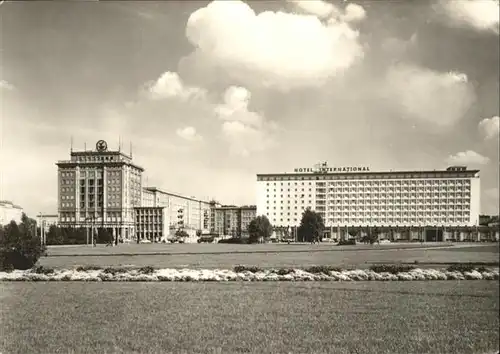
(482, 15)
(468, 157)
(323, 10)
(235, 107)
(5, 85)
(319, 8)
(489, 127)
(354, 13)
(274, 49)
(170, 85)
(188, 133)
(434, 97)
(245, 130)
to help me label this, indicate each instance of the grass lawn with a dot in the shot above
(227, 256)
(319, 317)
(485, 247)
(205, 248)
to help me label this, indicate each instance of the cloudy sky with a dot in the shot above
(212, 93)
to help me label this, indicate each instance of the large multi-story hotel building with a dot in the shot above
(99, 189)
(358, 197)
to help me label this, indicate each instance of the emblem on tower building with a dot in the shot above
(101, 146)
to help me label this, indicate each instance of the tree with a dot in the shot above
(20, 247)
(373, 235)
(353, 232)
(181, 233)
(259, 228)
(54, 236)
(104, 236)
(311, 226)
(484, 219)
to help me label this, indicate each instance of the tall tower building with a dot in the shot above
(99, 189)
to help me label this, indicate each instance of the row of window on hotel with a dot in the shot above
(380, 195)
(91, 173)
(383, 221)
(385, 215)
(388, 207)
(91, 188)
(396, 213)
(90, 205)
(377, 189)
(70, 217)
(458, 200)
(379, 182)
(375, 181)
(135, 183)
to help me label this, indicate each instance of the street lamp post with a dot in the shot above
(42, 233)
(93, 230)
(86, 220)
(39, 223)
(91, 218)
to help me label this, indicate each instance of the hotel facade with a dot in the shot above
(99, 189)
(357, 197)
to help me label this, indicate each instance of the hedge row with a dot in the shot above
(378, 268)
(242, 273)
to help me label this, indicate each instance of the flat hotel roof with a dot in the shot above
(96, 164)
(416, 174)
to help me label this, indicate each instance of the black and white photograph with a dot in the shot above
(258, 176)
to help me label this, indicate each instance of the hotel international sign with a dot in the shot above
(323, 168)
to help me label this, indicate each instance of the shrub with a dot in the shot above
(252, 269)
(87, 268)
(465, 267)
(350, 242)
(146, 270)
(322, 269)
(391, 268)
(43, 270)
(114, 271)
(234, 240)
(20, 248)
(284, 271)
